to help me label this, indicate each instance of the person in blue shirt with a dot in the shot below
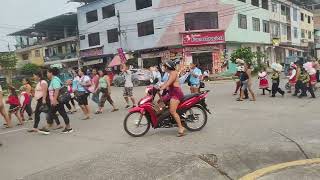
(194, 81)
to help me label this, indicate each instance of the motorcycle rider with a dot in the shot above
(175, 94)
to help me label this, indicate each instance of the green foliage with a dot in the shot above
(243, 53)
(8, 60)
(29, 69)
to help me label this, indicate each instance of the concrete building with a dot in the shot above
(52, 41)
(291, 31)
(203, 32)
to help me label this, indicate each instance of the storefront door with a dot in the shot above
(203, 60)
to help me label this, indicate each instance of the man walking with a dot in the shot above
(195, 75)
(128, 86)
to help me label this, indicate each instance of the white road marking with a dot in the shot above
(16, 130)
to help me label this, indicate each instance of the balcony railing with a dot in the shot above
(60, 57)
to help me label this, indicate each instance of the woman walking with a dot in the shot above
(55, 105)
(264, 83)
(104, 87)
(71, 105)
(3, 112)
(13, 101)
(28, 89)
(83, 82)
(42, 98)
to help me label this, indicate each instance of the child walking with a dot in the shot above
(236, 78)
(24, 101)
(13, 101)
(264, 83)
(276, 80)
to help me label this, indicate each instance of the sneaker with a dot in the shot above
(30, 119)
(66, 131)
(127, 106)
(33, 130)
(44, 131)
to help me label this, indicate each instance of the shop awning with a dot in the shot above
(291, 48)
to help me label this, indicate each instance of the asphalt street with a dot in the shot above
(240, 137)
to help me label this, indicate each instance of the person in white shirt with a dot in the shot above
(128, 86)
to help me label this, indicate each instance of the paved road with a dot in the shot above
(240, 137)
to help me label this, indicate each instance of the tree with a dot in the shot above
(8, 62)
(252, 58)
(29, 69)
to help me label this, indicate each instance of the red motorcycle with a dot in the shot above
(192, 110)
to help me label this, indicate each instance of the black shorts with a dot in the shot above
(83, 99)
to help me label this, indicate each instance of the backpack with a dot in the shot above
(64, 95)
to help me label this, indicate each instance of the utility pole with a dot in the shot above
(9, 47)
(119, 28)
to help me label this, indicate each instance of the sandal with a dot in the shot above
(239, 99)
(19, 124)
(98, 112)
(6, 127)
(114, 110)
(181, 134)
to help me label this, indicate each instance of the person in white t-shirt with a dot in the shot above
(3, 111)
(128, 86)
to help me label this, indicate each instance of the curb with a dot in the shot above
(267, 170)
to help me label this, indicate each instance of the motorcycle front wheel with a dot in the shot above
(195, 118)
(136, 124)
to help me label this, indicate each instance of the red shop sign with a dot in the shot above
(203, 38)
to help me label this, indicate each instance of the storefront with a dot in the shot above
(206, 49)
(93, 57)
(158, 57)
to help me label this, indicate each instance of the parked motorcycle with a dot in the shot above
(192, 110)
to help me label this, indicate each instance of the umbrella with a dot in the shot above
(116, 61)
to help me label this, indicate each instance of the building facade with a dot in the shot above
(52, 41)
(204, 32)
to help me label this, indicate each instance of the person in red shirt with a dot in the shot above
(24, 101)
(13, 101)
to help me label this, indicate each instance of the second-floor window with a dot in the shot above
(141, 4)
(295, 32)
(255, 2)
(256, 24)
(302, 17)
(275, 29)
(309, 19)
(92, 16)
(113, 35)
(201, 20)
(284, 29)
(309, 34)
(303, 33)
(94, 39)
(145, 28)
(266, 26)
(108, 11)
(37, 53)
(242, 21)
(82, 37)
(274, 7)
(295, 14)
(265, 4)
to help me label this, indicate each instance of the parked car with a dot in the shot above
(140, 77)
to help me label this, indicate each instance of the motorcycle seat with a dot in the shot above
(189, 96)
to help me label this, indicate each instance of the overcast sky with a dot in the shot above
(19, 14)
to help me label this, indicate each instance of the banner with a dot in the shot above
(203, 38)
(122, 56)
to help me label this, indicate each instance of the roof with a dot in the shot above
(54, 24)
(82, 1)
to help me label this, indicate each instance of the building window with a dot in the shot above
(242, 0)
(82, 37)
(113, 35)
(309, 35)
(145, 28)
(302, 17)
(94, 39)
(295, 14)
(201, 20)
(37, 53)
(283, 10)
(274, 7)
(141, 4)
(59, 49)
(266, 26)
(275, 29)
(25, 56)
(255, 2)
(284, 29)
(92, 16)
(265, 4)
(303, 34)
(309, 19)
(295, 32)
(256, 24)
(108, 11)
(242, 21)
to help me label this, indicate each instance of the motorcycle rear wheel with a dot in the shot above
(134, 121)
(196, 118)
